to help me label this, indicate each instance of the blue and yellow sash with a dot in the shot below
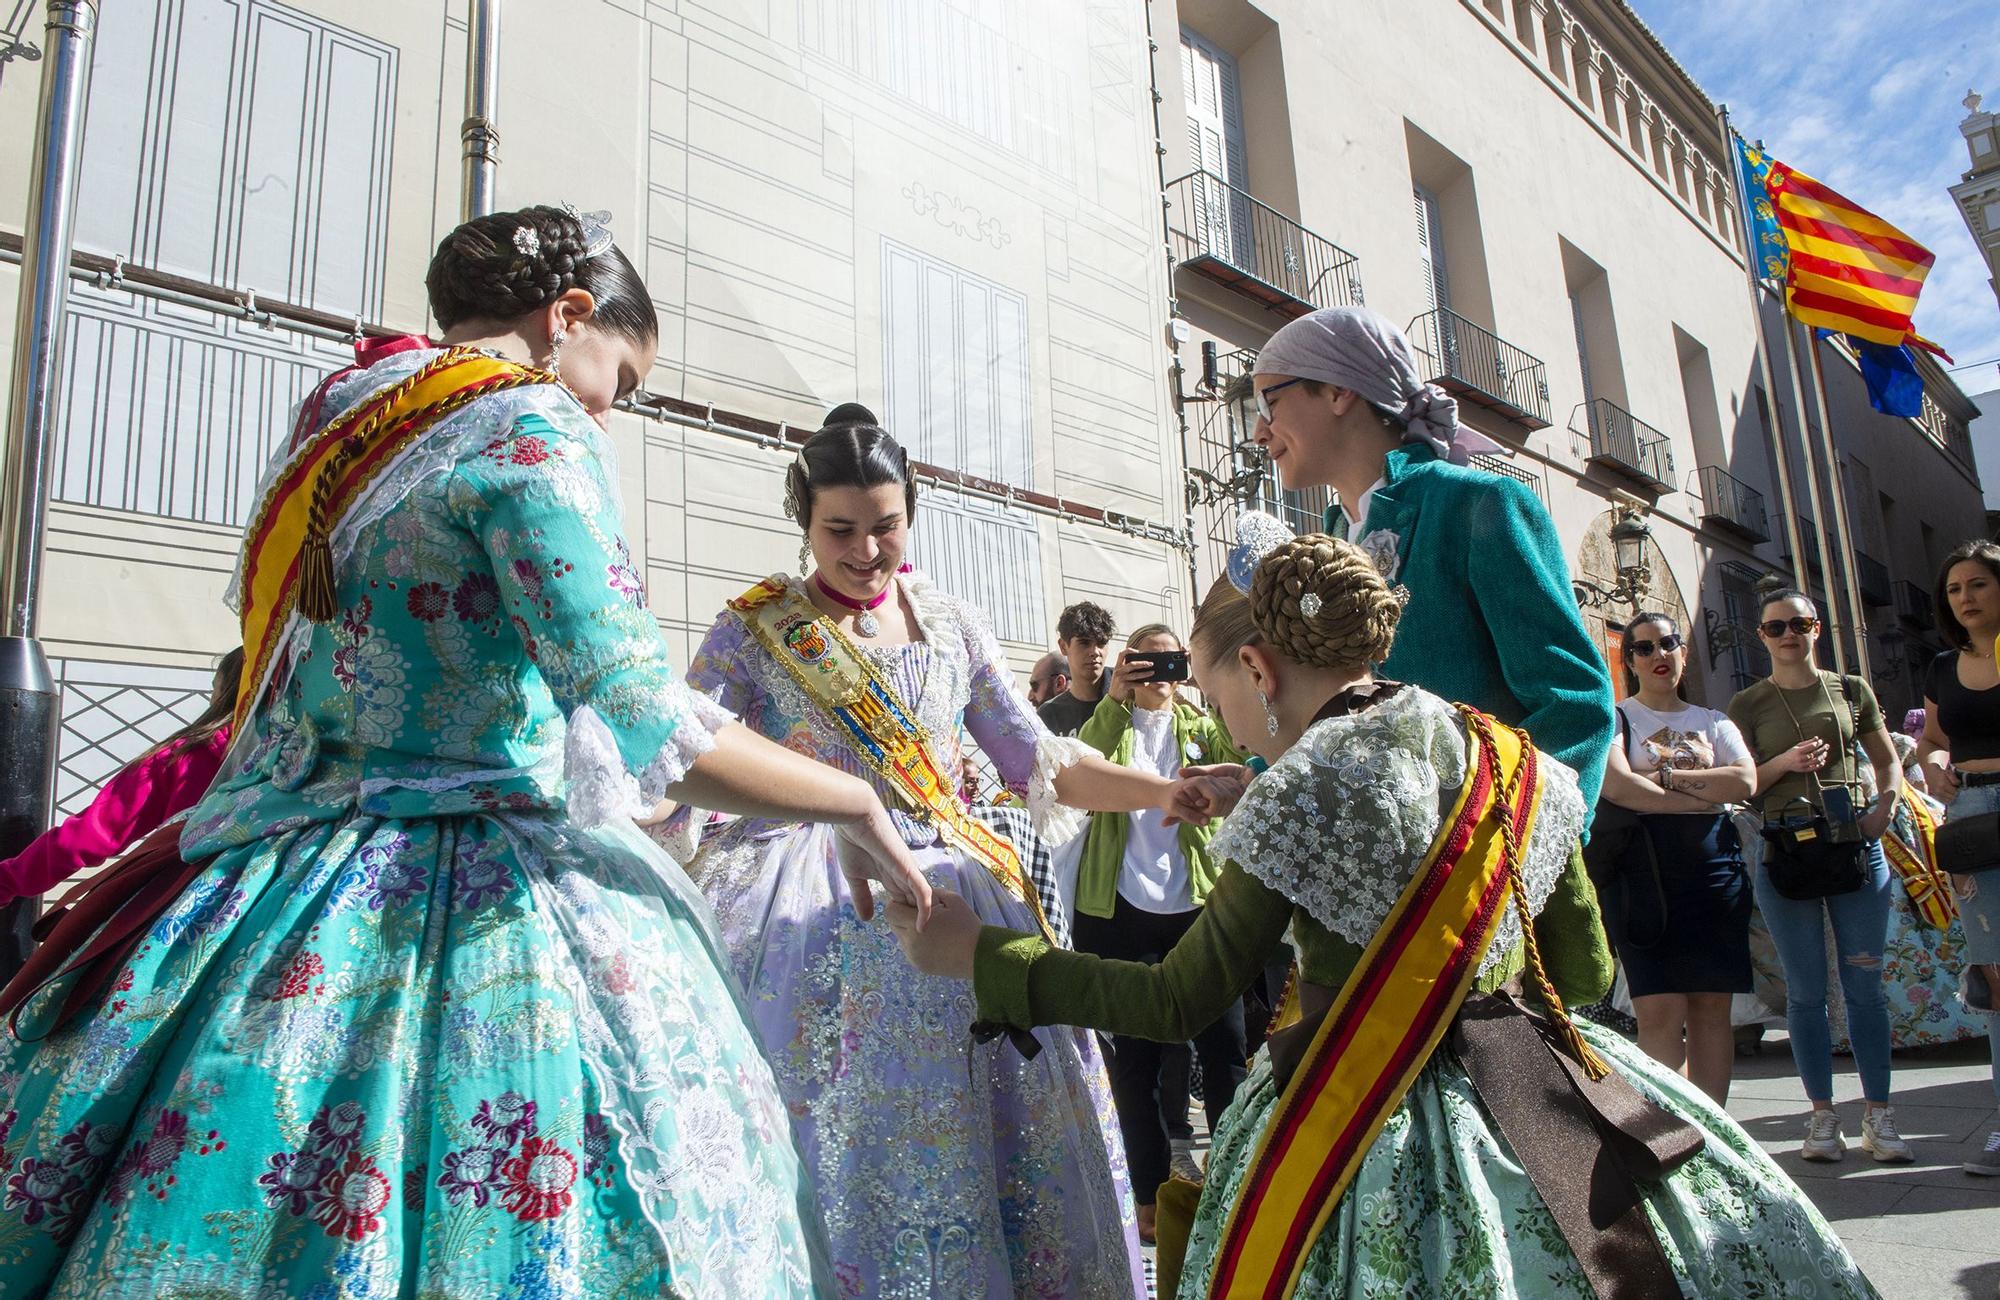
(884, 730)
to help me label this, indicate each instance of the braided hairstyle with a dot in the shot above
(851, 449)
(1315, 600)
(504, 265)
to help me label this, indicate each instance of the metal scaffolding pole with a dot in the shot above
(479, 138)
(1837, 487)
(29, 707)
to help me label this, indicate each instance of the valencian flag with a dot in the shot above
(1845, 270)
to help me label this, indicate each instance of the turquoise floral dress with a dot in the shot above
(435, 1019)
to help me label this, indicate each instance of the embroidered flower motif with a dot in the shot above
(529, 577)
(393, 881)
(596, 1143)
(336, 1130)
(289, 1179)
(84, 1148)
(428, 602)
(162, 1147)
(626, 582)
(299, 976)
(477, 599)
(478, 882)
(505, 1119)
(38, 1188)
(350, 1199)
(538, 1181)
(296, 758)
(1384, 549)
(472, 1173)
(528, 451)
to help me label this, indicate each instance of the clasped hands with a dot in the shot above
(1200, 794)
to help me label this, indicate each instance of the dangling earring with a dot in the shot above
(805, 556)
(555, 352)
(1270, 716)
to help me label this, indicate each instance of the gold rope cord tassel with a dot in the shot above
(316, 595)
(1579, 1049)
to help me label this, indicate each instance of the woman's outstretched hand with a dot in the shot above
(871, 849)
(945, 946)
(1203, 793)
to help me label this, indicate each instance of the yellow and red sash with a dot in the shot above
(297, 515)
(884, 730)
(1916, 864)
(1383, 1025)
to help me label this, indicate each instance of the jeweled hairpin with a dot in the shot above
(527, 241)
(596, 230)
(1257, 535)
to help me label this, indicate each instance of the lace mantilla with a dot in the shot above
(1341, 822)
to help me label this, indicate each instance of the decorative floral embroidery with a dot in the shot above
(1385, 550)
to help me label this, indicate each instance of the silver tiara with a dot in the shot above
(596, 230)
(1257, 535)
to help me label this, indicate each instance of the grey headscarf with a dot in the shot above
(1352, 347)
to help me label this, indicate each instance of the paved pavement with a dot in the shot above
(1923, 1231)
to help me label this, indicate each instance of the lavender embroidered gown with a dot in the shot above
(943, 1168)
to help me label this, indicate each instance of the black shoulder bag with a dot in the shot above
(1815, 856)
(1621, 845)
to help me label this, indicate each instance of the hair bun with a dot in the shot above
(849, 413)
(1322, 602)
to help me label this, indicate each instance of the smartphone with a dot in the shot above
(1167, 665)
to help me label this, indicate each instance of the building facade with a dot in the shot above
(1978, 191)
(1037, 236)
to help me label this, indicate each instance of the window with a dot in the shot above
(1698, 394)
(957, 385)
(238, 142)
(1430, 250)
(1598, 359)
(1212, 88)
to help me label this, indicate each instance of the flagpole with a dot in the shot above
(1820, 516)
(1774, 426)
(1837, 483)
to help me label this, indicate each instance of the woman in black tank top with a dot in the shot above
(1960, 754)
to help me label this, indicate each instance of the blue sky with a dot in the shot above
(1864, 95)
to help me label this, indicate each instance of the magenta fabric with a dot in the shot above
(132, 804)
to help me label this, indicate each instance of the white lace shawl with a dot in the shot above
(1340, 823)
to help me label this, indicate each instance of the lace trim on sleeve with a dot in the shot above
(601, 789)
(1055, 822)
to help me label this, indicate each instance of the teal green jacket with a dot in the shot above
(1200, 738)
(1492, 620)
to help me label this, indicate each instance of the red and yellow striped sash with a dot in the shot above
(322, 481)
(1916, 864)
(1382, 1027)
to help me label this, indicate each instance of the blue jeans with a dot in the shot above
(1860, 930)
(1980, 914)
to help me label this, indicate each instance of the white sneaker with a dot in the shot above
(1823, 1142)
(1880, 1139)
(1987, 1162)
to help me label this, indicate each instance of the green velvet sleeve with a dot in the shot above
(1023, 981)
(1570, 932)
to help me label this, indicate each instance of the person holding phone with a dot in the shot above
(1140, 887)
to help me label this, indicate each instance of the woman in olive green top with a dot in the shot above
(1323, 842)
(1802, 723)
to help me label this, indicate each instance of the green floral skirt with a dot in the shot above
(1441, 1207)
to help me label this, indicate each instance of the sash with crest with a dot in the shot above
(287, 560)
(1386, 1021)
(1915, 861)
(884, 730)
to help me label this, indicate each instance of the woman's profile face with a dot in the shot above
(603, 368)
(1227, 684)
(1299, 430)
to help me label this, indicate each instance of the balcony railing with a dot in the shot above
(1629, 445)
(1221, 232)
(1945, 429)
(1913, 605)
(1728, 502)
(1506, 468)
(1810, 536)
(1872, 576)
(1481, 367)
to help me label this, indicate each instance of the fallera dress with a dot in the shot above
(435, 1020)
(1322, 844)
(945, 1168)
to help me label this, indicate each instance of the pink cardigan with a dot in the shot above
(132, 804)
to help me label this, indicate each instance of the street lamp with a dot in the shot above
(1629, 539)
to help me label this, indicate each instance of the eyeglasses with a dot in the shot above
(1800, 624)
(1666, 645)
(1264, 402)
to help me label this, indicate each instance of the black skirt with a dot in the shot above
(1680, 920)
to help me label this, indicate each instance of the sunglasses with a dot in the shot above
(1264, 402)
(1777, 626)
(1666, 645)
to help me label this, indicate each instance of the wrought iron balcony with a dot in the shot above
(1730, 503)
(1219, 231)
(1810, 536)
(1481, 367)
(1872, 576)
(1629, 445)
(1913, 605)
